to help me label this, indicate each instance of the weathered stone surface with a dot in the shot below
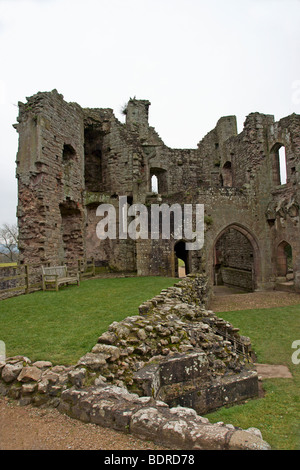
(112, 352)
(183, 367)
(147, 423)
(244, 440)
(107, 338)
(249, 215)
(29, 388)
(43, 385)
(42, 364)
(15, 359)
(51, 376)
(93, 361)
(30, 373)
(77, 376)
(208, 437)
(174, 433)
(11, 371)
(255, 431)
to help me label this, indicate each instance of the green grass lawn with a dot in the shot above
(277, 415)
(63, 326)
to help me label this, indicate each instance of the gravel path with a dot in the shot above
(225, 301)
(29, 428)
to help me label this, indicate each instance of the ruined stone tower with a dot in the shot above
(71, 159)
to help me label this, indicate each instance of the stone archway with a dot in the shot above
(236, 259)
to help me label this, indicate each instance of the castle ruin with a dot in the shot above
(70, 160)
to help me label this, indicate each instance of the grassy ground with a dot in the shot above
(277, 415)
(62, 326)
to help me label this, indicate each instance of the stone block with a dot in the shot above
(183, 367)
(30, 373)
(10, 372)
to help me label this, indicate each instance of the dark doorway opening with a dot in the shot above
(182, 261)
(226, 177)
(93, 169)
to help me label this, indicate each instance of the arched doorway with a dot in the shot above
(236, 258)
(182, 261)
(284, 261)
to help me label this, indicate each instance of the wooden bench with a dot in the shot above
(55, 276)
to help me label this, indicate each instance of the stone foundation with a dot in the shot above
(41, 384)
(181, 381)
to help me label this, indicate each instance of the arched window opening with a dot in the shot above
(158, 180)
(154, 184)
(93, 170)
(227, 175)
(285, 262)
(282, 165)
(279, 166)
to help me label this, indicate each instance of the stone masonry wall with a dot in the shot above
(70, 159)
(50, 178)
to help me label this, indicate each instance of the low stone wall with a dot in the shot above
(110, 406)
(174, 330)
(237, 277)
(183, 380)
(186, 349)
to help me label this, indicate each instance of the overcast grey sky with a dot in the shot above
(195, 60)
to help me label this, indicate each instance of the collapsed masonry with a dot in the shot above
(72, 159)
(177, 351)
(152, 374)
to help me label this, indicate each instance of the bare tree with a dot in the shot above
(9, 241)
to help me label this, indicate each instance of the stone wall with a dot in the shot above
(50, 176)
(70, 159)
(152, 374)
(237, 278)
